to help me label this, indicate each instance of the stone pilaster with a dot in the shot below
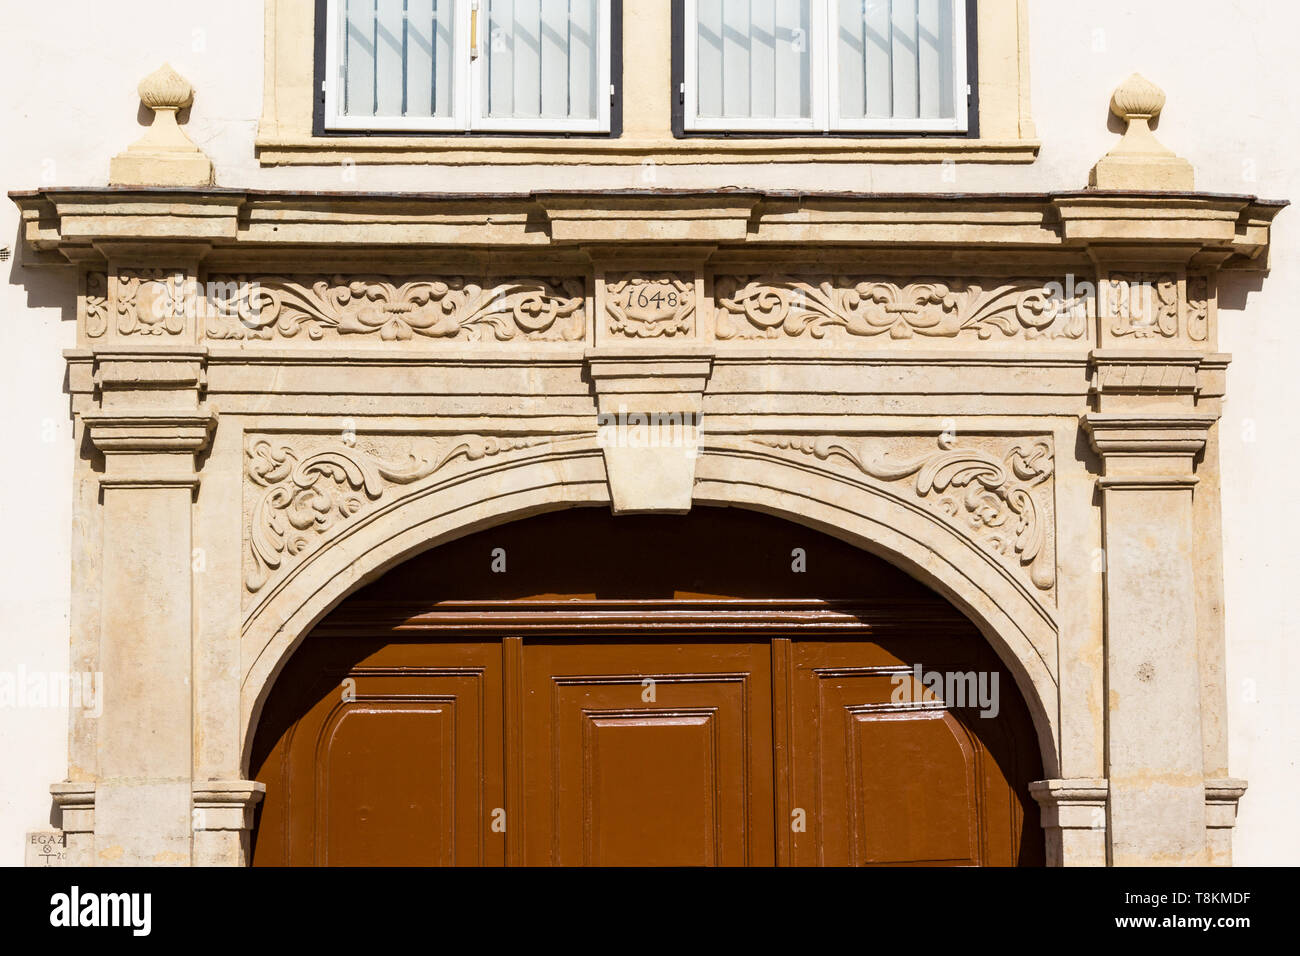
(1155, 761)
(149, 428)
(1074, 820)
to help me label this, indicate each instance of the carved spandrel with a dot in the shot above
(300, 488)
(998, 492)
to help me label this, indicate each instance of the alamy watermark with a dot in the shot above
(624, 429)
(76, 690)
(977, 690)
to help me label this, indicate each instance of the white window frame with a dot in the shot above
(823, 57)
(469, 89)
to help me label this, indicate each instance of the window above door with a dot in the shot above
(822, 66)
(531, 66)
(506, 82)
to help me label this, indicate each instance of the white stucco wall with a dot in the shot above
(1230, 74)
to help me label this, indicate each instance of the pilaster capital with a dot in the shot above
(1077, 803)
(75, 800)
(150, 449)
(226, 804)
(1147, 450)
(1221, 798)
(149, 432)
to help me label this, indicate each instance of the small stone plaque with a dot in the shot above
(46, 848)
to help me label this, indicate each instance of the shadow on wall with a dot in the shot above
(1235, 288)
(47, 287)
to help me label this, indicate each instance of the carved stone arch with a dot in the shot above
(919, 541)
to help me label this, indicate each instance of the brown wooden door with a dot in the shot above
(653, 753)
(396, 760)
(571, 712)
(889, 774)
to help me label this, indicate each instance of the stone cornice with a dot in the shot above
(1208, 230)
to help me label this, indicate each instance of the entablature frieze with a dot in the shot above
(721, 270)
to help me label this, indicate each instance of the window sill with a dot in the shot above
(630, 150)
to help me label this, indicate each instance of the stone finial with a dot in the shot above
(165, 89)
(164, 156)
(1139, 160)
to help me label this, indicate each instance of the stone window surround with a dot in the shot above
(877, 365)
(285, 134)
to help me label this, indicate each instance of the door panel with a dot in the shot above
(890, 775)
(618, 772)
(397, 759)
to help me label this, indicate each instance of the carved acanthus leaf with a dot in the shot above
(995, 493)
(773, 306)
(453, 308)
(305, 493)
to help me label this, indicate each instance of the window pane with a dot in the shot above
(896, 59)
(396, 57)
(541, 59)
(753, 59)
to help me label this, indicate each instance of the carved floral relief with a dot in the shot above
(817, 307)
(448, 309)
(303, 487)
(997, 491)
(1142, 305)
(151, 302)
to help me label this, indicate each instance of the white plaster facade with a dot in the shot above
(73, 105)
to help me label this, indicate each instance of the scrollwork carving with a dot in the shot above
(1143, 306)
(1198, 308)
(992, 494)
(96, 304)
(304, 493)
(776, 306)
(454, 308)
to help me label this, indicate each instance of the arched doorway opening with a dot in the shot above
(722, 687)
